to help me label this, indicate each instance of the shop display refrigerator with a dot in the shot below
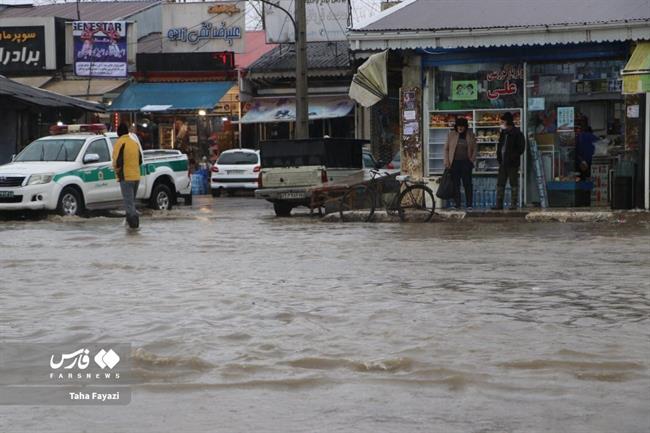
(485, 123)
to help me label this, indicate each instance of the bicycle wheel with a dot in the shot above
(391, 203)
(416, 203)
(357, 204)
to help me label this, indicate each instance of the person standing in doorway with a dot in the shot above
(512, 145)
(127, 159)
(460, 156)
(585, 149)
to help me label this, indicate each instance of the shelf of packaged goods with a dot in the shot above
(441, 127)
(480, 173)
(492, 126)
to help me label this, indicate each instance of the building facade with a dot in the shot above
(559, 71)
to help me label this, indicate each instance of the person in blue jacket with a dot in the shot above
(585, 148)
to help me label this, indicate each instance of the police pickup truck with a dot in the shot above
(72, 172)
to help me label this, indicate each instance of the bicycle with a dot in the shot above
(411, 200)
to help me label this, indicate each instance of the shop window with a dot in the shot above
(476, 86)
(575, 119)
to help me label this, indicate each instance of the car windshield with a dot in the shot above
(51, 150)
(237, 158)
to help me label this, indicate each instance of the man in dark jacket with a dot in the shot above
(512, 144)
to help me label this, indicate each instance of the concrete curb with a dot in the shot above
(536, 216)
(563, 217)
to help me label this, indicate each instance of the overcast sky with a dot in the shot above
(361, 10)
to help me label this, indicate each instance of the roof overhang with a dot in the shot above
(253, 75)
(498, 37)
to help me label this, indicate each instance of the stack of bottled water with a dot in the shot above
(484, 194)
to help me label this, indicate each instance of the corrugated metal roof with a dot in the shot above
(150, 44)
(44, 98)
(320, 55)
(37, 81)
(435, 15)
(80, 89)
(89, 11)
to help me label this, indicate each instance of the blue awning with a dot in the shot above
(169, 97)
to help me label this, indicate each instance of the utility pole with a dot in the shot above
(299, 21)
(302, 103)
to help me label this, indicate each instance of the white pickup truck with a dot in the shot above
(291, 169)
(73, 172)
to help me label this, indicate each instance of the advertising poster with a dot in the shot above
(536, 104)
(565, 118)
(99, 48)
(411, 138)
(327, 20)
(464, 90)
(22, 49)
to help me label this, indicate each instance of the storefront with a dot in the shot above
(196, 118)
(585, 136)
(481, 93)
(269, 89)
(568, 103)
(275, 117)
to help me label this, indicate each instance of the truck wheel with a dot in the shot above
(282, 209)
(70, 202)
(161, 198)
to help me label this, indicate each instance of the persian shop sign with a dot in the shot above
(203, 27)
(505, 82)
(22, 49)
(99, 48)
(206, 32)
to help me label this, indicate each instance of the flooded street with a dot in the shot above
(243, 322)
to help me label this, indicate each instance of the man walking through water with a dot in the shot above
(127, 160)
(512, 144)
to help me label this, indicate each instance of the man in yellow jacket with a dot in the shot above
(127, 160)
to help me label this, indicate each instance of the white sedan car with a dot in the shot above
(236, 169)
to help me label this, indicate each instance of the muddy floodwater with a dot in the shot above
(243, 322)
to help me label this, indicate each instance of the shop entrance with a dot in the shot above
(576, 121)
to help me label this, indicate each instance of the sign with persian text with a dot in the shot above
(203, 27)
(99, 48)
(327, 20)
(504, 82)
(22, 49)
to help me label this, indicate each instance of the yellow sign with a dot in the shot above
(229, 9)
